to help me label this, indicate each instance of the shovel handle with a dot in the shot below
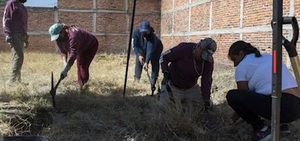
(290, 46)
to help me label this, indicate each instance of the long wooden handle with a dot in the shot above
(296, 68)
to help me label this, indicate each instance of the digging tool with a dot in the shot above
(152, 85)
(53, 89)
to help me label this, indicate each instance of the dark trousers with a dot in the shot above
(250, 106)
(83, 63)
(154, 66)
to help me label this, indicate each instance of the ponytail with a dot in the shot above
(247, 48)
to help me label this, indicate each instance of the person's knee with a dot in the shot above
(231, 95)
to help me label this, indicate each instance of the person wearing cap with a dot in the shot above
(77, 44)
(147, 48)
(252, 98)
(182, 66)
(15, 20)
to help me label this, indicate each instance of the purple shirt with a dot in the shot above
(77, 43)
(15, 18)
(185, 70)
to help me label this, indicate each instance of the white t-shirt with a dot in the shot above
(258, 72)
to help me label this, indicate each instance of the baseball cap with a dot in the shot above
(209, 47)
(145, 26)
(54, 31)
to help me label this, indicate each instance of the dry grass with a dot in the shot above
(102, 113)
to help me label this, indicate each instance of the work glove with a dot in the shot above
(64, 73)
(8, 39)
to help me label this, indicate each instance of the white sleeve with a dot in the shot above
(240, 73)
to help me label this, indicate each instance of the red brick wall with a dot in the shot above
(111, 25)
(224, 20)
(174, 20)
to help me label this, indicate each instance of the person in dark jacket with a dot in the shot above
(147, 48)
(182, 66)
(75, 44)
(15, 20)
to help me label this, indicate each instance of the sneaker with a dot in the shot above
(263, 134)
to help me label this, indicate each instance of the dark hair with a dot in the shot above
(247, 48)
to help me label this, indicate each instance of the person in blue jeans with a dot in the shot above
(147, 48)
(252, 99)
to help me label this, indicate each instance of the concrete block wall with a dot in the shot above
(108, 20)
(225, 21)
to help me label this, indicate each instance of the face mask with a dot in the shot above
(22, 1)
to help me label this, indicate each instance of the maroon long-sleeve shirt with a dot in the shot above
(78, 41)
(15, 18)
(185, 70)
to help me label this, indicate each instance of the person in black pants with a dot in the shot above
(252, 98)
(147, 48)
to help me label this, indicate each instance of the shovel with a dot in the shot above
(53, 89)
(290, 46)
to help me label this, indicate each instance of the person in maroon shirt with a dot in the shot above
(183, 64)
(75, 44)
(15, 20)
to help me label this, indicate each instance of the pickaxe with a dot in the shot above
(53, 89)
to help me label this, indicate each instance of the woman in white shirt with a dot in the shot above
(252, 98)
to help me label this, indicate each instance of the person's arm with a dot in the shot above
(206, 80)
(74, 46)
(242, 85)
(136, 43)
(170, 56)
(7, 19)
(240, 78)
(150, 47)
(63, 51)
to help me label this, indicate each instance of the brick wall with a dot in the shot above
(108, 20)
(224, 20)
(174, 20)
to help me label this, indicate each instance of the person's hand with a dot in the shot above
(8, 39)
(141, 59)
(26, 44)
(64, 73)
(145, 66)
